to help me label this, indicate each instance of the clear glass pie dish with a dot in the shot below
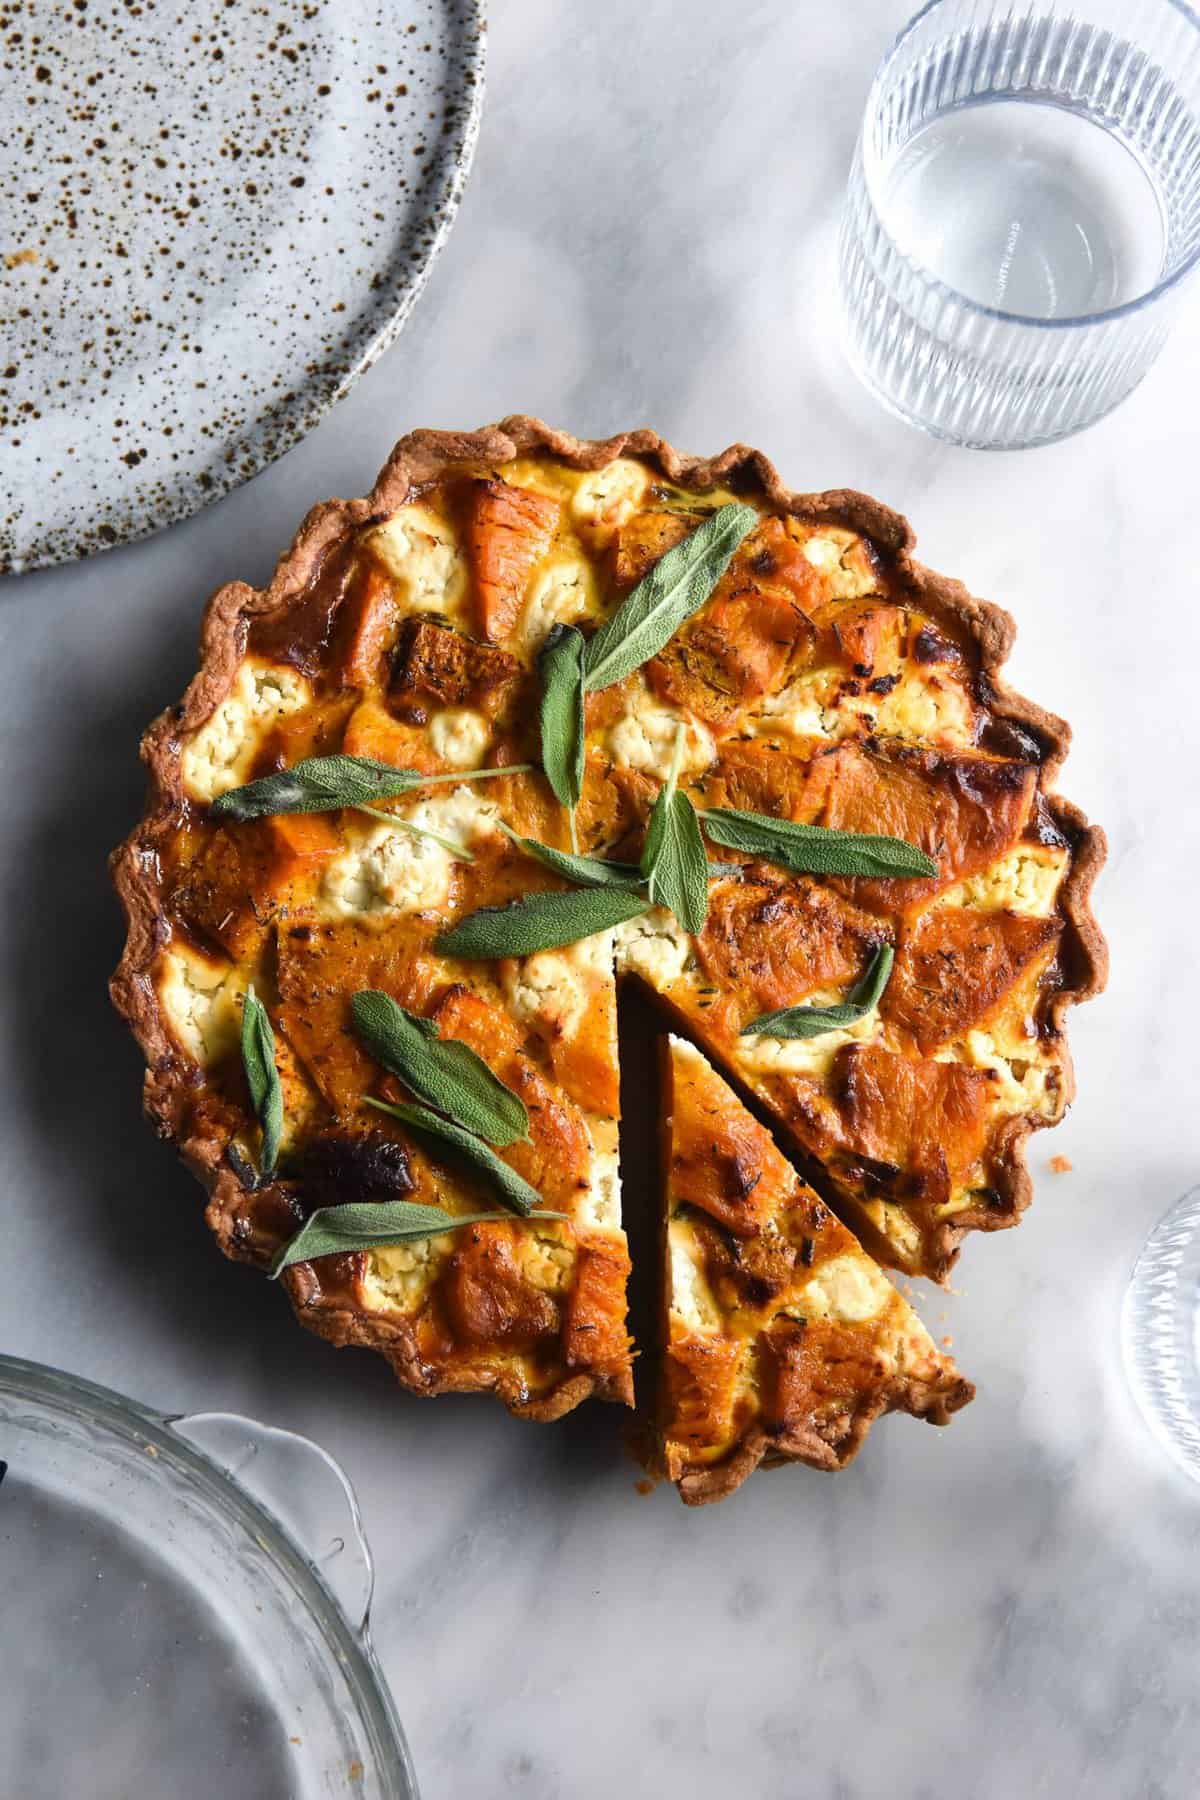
(185, 1604)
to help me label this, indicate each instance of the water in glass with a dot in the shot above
(1028, 208)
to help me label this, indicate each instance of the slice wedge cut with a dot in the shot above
(782, 1339)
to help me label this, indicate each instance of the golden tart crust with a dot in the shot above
(830, 679)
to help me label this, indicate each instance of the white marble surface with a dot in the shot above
(1006, 1608)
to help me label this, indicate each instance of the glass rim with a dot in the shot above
(1076, 321)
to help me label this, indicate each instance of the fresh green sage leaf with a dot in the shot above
(815, 849)
(461, 1146)
(560, 666)
(325, 783)
(443, 1071)
(815, 1021)
(675, 588)
(674, 861)
(540, 922)
(584, 871)
(262, 1077)
(373, 1226)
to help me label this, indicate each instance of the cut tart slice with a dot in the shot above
(782, 1340)
(366, 766)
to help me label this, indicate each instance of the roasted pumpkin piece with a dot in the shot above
(435, 666)
(748, 637)
(644, 539)
(771, 941)
(743, 644)
(614, 806)
(314, 731)
(824, 1382)
(962, 810)
(699, 1377)
(595, 1333)
(557, 1157)
(869, 637)
(367, 625)
(955, 966)
(721, 1161)
(508, 531)
(487, 1297)
(320, 966)
(926, 1120)
(761, 775)
(302, 841)
(241, 878)
(372, 731)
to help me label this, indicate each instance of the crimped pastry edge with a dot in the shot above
(418, 460)
(761, 1449)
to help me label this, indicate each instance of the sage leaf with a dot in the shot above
(560, 666)
(674, 861)
(815, 1021)
(262, 1077)
(815, 849)
(325, 783)
(676, 587)
(540, 922)
(443, 1071)
(584, 871)
(462, 1146)
(373, 1226)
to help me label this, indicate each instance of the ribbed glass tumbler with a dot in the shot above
(1023, 213)
(1160, 1333)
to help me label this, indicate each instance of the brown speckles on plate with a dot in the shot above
(216, 218)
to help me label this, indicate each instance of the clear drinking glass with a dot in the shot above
(1023, 213)
(1160, 1332)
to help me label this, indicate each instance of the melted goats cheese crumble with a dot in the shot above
(218, 755)
(1020, 1068)
(843, 561)
(420, 553)
(654, 946)
(605, 498)
(762, 1055)
(644, 735)
(692, 1301)
(847, 1289)
(385, 870)
(920, 709)
(202, 999)
(806, 707)
(556, 987)
(1025, 880)
(397, 1277)
(923, 708)
(599, 1209)
(460, 736)
(561, 591)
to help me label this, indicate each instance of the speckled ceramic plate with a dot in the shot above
(214, 215)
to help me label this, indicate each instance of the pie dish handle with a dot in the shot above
(306, 1491)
